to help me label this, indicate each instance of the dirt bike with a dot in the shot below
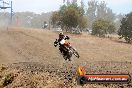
(67, 50)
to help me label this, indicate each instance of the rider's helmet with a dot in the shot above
(61, 35)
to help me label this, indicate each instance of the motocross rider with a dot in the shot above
(61, 41)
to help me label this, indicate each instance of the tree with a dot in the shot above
(68, 2)
(102, 27)
(82, 7)
(69, 17)
(103, 12)
(111, 28)
(74, 16)
(82, 23)
(125, 30)
(91, 12)
(99, 10)
(55, 19)
(117, 21)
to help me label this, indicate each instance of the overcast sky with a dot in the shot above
(38, 6)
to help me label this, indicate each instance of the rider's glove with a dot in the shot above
(55, 45)
(67, 37)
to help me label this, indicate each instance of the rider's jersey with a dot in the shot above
(62, 40)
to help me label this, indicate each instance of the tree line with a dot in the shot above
(76, 18)
(97, 17)
(71, 15)
(25, 19)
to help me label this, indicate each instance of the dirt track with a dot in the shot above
(32, 50)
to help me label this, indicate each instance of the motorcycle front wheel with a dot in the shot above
(74, 52)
